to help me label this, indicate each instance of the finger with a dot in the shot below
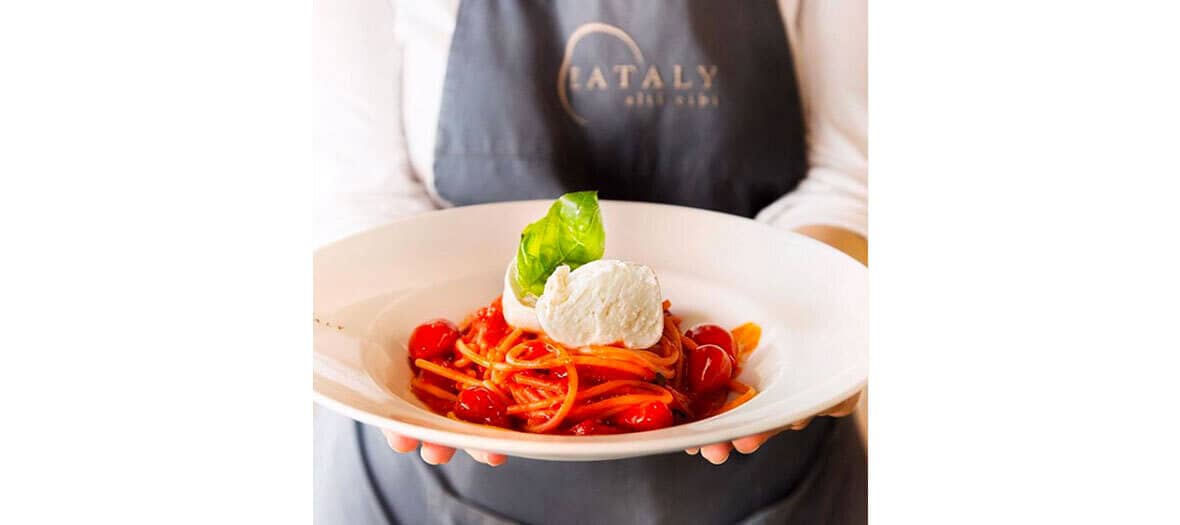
(496, 460)
(844, 408)
(478, 455)
(487, 458)
(801, 424)
(750, 444)
(692, 451)
(436, 454)
(716, 454)
(399, 442)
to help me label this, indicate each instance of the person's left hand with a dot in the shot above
(718, 453)
(438, 454)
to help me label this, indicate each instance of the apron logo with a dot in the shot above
(645, 85)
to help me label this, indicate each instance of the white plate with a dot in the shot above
(373, 288)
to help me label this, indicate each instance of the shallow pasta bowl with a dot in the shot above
(373, 288)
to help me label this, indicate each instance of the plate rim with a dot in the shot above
(471, 207)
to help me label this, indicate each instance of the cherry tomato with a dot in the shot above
(480, 405)
(711, 334)
(593, 427)
(648, 416)
(489, 325)
(433, 339)
(709, 368)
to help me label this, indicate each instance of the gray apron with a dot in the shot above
(812, 476)
(691, 103)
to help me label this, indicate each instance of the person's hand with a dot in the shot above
(438, 454)
(719, 453)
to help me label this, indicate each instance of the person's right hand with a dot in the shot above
(438, 454)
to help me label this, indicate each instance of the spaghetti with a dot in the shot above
(485, 372)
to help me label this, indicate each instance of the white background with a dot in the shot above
(155, 292)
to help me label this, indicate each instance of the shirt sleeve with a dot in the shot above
(830, 50)
(362, 175)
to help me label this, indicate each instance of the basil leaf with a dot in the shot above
(571, 234)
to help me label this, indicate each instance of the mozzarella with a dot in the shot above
(516, 313)
(602, 302)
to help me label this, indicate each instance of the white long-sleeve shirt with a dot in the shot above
(379, 72)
